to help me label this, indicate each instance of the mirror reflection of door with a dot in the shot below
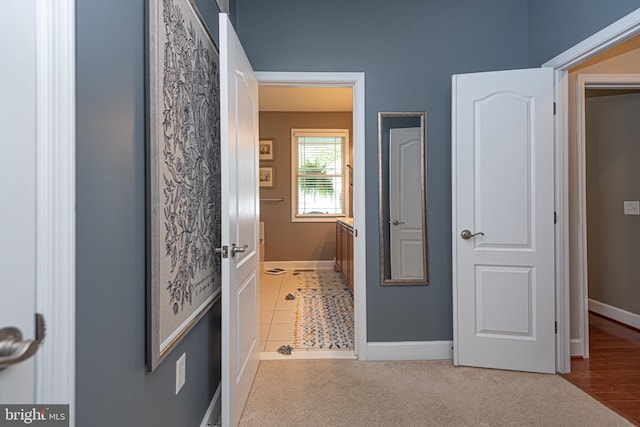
(405, 199)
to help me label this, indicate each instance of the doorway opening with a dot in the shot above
(566, 310)
(605, 311)
(316, 119)
(606, 162)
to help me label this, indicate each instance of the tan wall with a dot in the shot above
(622, 59)
(285, 240)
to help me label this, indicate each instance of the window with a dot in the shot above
(319, 185)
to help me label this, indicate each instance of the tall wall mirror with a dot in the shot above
(403, 198)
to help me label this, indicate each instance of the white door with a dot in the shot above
(240, 273)
(405, 208)
(18, 192)
(502, 161)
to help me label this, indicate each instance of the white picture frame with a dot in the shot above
(265, 147)
(266, 177)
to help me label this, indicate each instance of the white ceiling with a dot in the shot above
(286, 98)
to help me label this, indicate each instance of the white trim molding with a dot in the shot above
(410, 350)
(300, 265)
(213, 411)
(609, 81)
(356, 81)
(584, 81)
(577, 347)
(619, 31)
(615, 313)
(55, 286)
(297, 133)
(454, 226)
(309, 355)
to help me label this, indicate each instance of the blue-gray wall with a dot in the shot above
(113, 387)
(408, 50)
(557, 25)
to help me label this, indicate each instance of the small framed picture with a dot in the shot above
(266, 177)
(266, 149)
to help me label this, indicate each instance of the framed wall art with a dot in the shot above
(183, 173)
(266, 149)
(266, 177)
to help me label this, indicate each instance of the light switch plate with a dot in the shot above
(181, 372)
(631, 207)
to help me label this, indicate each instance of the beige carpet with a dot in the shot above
(431, 393)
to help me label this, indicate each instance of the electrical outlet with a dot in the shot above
(181, 372)
(631, 207)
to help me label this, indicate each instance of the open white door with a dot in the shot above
(502, 171)
(405, 203)
(37, 212)
(18, 193)
(240, 194)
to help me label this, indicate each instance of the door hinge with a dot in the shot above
(355, 232)
(554, 108)
(556, 326)
(555, 217)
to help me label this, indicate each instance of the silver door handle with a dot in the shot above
(396, 222)
(13, 350)
(466, 234)
(235, 249)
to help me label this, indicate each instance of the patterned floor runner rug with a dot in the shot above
(323, 316)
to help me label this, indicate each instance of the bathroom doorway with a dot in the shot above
(301, 113)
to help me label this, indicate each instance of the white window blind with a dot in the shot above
(319, 179)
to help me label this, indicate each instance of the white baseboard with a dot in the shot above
(213, 411)
(308, 355)
(410, 350)
(576, 347)
(299, 264)
(615, 313)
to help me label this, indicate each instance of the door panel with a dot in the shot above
(503, 187)
(240, 280)
(405, 198)
(493, 285)
(247, 321)
(18, 192)
(503, 130)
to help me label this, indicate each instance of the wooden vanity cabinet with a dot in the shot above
(344, 253)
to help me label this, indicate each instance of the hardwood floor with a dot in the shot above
(612, 373)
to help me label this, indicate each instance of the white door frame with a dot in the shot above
(356, 82)
(584, 81)
(619, 31)
(56, 227)
(55, 200)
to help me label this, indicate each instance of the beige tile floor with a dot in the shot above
(276, 316)
(275, 311)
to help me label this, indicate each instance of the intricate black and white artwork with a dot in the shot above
(183, 188)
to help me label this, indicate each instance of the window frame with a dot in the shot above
(295, 133)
